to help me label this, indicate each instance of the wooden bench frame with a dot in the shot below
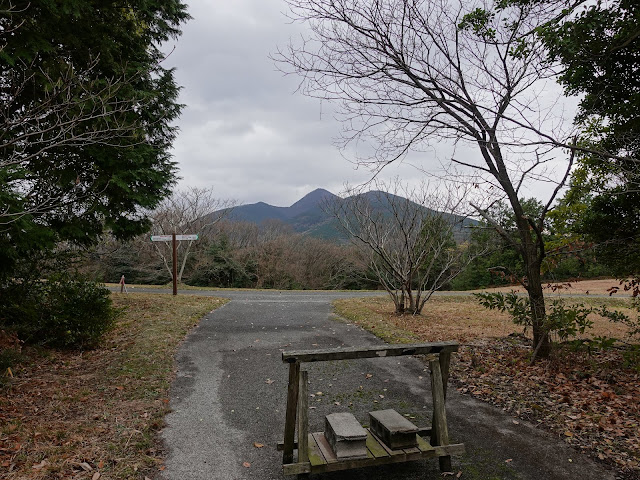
(439, 356)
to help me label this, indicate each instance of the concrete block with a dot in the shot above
(345, 435)
(393, 429)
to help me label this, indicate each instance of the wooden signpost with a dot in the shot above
(174, 239)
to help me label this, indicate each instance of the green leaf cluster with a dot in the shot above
(561, 320)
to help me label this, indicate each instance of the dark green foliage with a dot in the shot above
(62, 312)
(87, 128)
(598, 46)
(612, 222)
(82, 84)
(567, 257)
(567, 322)
(600, 51)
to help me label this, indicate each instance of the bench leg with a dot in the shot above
(439, 430)
(292, 406)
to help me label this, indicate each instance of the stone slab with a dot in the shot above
(393, 429)
(345, 435)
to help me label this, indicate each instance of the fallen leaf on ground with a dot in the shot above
(40, 465)
(95, 476)
(258, 445)
(246, 464)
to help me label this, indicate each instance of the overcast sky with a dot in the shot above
(244, 130)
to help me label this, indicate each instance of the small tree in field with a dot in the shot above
(408, 240)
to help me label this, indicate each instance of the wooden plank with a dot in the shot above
(324, 447)
(423, 445)
(445, 361)
(292, 407)
(303, 417)
(315, 455)
(448, 450)
(440, 431)
(350, 353)
(298, 468)
(375, 448)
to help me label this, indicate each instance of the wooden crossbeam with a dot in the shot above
(350, 353)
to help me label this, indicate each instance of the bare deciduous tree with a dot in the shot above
(190, 211)
(409, 73)
(409, 240)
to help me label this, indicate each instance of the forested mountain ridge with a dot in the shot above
(311, 214)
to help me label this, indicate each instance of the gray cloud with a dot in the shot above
(244, 130)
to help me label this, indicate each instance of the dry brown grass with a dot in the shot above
(458, 318)
(581, 287)
(94, 414)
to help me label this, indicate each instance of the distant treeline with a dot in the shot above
(237, 254)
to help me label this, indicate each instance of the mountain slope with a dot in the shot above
(308, 215)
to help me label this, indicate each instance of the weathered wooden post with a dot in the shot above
(303, 417)
(439, 430)
(292, 406)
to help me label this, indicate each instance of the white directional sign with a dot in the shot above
(168, 238)
(187, 237)
(161, 238)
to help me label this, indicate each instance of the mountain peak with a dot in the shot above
(310, 200)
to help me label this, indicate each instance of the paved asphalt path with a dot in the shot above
(231, 386)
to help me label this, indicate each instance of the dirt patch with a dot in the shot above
(589, 401)
(94, 414)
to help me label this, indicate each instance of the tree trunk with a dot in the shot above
(541, 343)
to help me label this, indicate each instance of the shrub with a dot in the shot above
(563, 321)
(61, 312)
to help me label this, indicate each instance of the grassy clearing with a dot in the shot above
(94, 414)
(589, 399)
(458, 318)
